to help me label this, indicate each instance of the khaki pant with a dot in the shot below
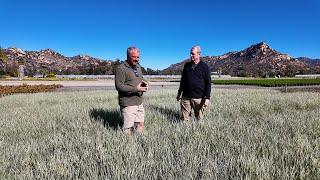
(187, 104)
(131, 114)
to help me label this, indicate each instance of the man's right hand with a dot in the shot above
(141, 89)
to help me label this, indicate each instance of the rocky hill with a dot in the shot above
(45, 61)
(258, 60)
(315, 62)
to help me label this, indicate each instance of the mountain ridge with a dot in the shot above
(257, 60)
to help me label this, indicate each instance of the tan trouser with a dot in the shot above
(187, 104)
(131, 115)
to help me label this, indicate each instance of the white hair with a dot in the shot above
(131, 49)
(197, 48)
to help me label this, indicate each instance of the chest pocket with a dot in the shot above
(130, 76)
(132, 79)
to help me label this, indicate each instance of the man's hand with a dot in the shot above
(145, 84)
(206, 103)
(142, 88)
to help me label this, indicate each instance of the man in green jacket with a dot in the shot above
(130, 86)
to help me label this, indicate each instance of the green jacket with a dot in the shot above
(126, 82)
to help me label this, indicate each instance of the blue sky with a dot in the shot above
(164, 30)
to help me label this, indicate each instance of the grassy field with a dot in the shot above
(247, 134)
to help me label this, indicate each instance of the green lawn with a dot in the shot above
(247, 134)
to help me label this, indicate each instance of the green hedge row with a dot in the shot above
(269, 82)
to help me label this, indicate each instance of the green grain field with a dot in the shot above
(247, 134)
(272, 82)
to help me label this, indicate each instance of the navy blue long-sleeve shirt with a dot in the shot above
(195, 81)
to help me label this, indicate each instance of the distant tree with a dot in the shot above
(108, 69)
(43, 72)
(219, 70)
(115, 64)
(12, 70)
(171, 72)
(225, 71)
(30, 71)
(81, 71)
(242, 73)
(3, 57)
(67, 71)
(144, 71)
(272, 73)
(290, 71)
(91, 70)
(2, 73)
(104, 68)
(3, 61)
(150, 71)
(51, 75)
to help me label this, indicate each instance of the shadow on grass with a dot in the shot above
(171, 115)
(109, 118)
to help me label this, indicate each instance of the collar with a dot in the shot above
(196, 64)
(129, 66)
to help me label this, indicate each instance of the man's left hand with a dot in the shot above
(206, 103)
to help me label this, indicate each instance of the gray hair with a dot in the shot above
(131, 49)
(196, 47)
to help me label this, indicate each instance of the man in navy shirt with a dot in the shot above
(195, 86)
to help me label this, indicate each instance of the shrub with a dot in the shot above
(24, 88)
(51, 75)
